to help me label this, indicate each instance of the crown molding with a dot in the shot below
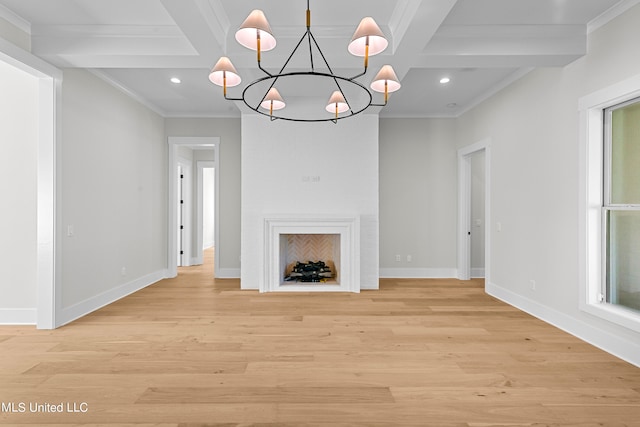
(517, 75)
(15, 19)
(610, 14)
(106, 78)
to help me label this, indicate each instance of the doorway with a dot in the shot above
(474, 211)
(48, 81)
(478, 220)
(205, 208)
(178, 145)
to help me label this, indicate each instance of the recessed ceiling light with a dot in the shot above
(175, 80)
(445, 80)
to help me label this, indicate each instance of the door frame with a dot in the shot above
(210, 142)
(464, 209)
(48, 225)
(186, 194)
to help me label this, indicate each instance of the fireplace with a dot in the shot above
(333, 240)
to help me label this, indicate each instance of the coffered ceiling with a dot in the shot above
(138, 45)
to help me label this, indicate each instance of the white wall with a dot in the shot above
(18, 189)
(533, 125)
(113, 181)
(418, 197)
(309, 169)
(228, 130)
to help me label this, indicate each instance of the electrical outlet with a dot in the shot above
(398, 258)
(409, 258)
(123, 271)
(533, 285)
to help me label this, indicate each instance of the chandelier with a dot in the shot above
(347, 96)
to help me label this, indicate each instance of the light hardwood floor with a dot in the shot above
(194, 351)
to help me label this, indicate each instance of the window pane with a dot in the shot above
(625, 154)
(623, 261)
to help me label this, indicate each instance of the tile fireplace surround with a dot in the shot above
(347, 227)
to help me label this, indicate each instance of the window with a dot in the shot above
(609, 198)
(621, 205)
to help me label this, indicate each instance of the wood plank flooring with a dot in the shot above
(194, 351)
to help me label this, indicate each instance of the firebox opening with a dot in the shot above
(310, 259)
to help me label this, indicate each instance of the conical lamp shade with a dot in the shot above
(256, 23)
(273, 96)
(388, 76)
(224, 67)
(377, 41)
(337, 99)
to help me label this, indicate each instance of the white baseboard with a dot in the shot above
(418, 273)
(624, 349)
(92, 304)
(228, 273)
(18, 316)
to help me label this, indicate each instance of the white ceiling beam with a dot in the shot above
(550, 31)
(198, 23)
(415, 25)
(105, 30)
(216, 18)
(494, 46)
(126, 61)
(401, 19)
(493, 61)
(109, 40)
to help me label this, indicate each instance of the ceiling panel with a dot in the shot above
(139, 44)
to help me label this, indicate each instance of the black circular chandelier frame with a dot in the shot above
(279, 116)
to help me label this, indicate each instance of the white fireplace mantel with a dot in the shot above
(348, 227)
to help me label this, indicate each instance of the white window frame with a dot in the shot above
(591, 197)
(608, 205)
